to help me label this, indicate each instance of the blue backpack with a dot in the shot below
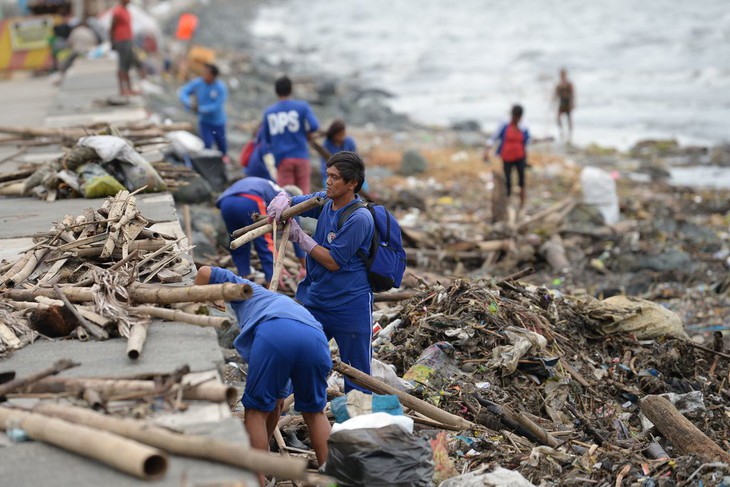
(386, 259)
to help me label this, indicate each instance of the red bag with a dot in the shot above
(513, 145)
(246, 153)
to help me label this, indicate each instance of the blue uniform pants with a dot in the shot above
(352, 328)
(214, 133)
(236, 212)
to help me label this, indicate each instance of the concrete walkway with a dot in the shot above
(81, 99)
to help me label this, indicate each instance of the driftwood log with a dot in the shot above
(295, 210)
(126, 455)
(196, 446)
(685, 436)
(207, 391)
(147, 294)
(379, 387)
(179, 315)
(21, 382)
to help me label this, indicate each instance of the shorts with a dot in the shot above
(295, 171)
(127, 56)
(286, 350)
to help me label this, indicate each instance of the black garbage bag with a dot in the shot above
(379, 457)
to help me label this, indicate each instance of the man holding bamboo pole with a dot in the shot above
(336, 289)
(286, 349)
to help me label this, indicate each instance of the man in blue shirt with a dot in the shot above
(284, 347)
(288, 125)
(336, 289)
(237, 203)
(210, 99)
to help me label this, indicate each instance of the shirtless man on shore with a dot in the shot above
(565, 96)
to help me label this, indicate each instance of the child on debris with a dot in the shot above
(237, 203)
(512, 148)
(285, 349)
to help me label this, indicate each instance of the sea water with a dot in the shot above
(652, 69)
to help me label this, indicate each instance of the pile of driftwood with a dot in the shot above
(104, 259)
(91, 417)
(573, 389)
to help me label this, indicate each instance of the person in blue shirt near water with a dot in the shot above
(285, 349)
(237, 203)
(288, 125)
(336, 289)
(210, 99)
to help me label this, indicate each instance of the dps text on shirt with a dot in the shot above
(286, 124)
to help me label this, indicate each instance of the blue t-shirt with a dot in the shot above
(256, 165)
(263, 188)
(264, 305)
(499, 136)
(211, 100)
(286, 124)
(326, 289)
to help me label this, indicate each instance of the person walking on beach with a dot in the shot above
(122, 42)
(210, 100)
(512, 139)
(565, 96)
(288, 125)
(336, 289)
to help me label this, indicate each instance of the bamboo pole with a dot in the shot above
(135, 342)
(56, 368)
(178, 315)
(196, 446)
(28, 268)
(279, 263)
(379, 387)
(680, 431)
(113, 450)
(147, 294)
(207, 391)
(291, 212)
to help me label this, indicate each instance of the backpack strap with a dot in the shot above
(343, 218)
(348, 212)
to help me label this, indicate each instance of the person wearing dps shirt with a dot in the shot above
(287, 126)
(336, 289)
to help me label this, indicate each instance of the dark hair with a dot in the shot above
(283, 86)
(517, 111)
(350, 166)
(213, 69)
(335, 128)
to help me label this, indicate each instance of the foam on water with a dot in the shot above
(659, 68)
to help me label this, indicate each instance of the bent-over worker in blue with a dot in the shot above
(284, 347)
(210, 99)
(336, 289)
(237, 204)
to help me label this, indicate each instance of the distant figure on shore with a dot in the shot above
(122, 42)
(565, 96)
(512, 139)
(81, 41)
(336, 140)
(288, 126)
(210, 95)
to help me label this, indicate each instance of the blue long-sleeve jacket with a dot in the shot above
(211, 100)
